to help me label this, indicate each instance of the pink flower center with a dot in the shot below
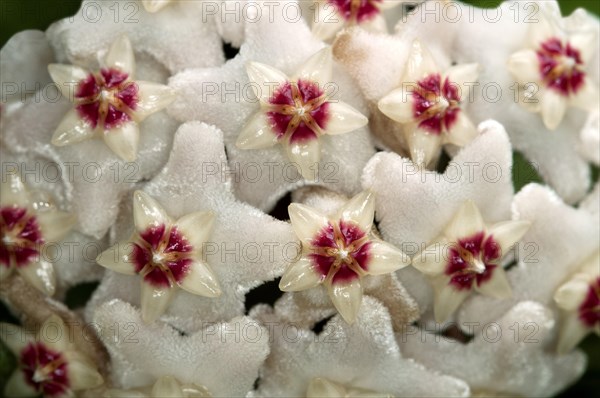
(45, 369)
(21, 237)
(298, 111)
(436, 104)
(340, 252)
(106, 99)
(472, 260)
(561, 66)
(358, 11)
(589, 310)
(162, 256)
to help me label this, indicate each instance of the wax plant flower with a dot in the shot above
(166, 254)
(554, 69)
(27, 226)
(331, 16)
(338, 251)
(48, 362)
(467, 257)
(225, 97)
(297, 112)
(220, 359)
(109, 102)
(428, 105)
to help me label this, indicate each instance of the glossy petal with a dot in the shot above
(120, 56)
(124, 140)
(82, 374)
(152, 97)
(587, 98)
(265, 78)
(360, 210)
(40, 274)
(462, 132)
(154, 301)
(447, 299)
(147, 212)
(318, 68)
(344, 119)
(305, 155)
(201, 280)
(425, 148)
(16, 386)
(72, 129)
(66, 78)
(420, 63)
(54, 334)
(398, 105)
(571, 333)
(524, 65)
(197, 227)
(306, 221)
(319, 388)
(346, 298)
(328, 22)
(507, 233)
(570, 295)
(461, 74)
(55, 225)
(466, 222)
(168, 387)
(432, 260)
(497, 286)
(300, 275)
(257, 133)
(554, 107)
(13, 191)
(117, 258)
(155, 6)
(385, 258)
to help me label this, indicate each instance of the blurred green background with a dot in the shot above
(16, 15)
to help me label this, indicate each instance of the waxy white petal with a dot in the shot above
(265, 79)
(554, 106)
(168, 387)
(154, 301)
(155, 5)
(319, 388)
(466, 222)
(54, 334)
(147, 212)
(433, 259)
(586, 43)
(197, 228)
(344, 119)
(385, 258)
(17, 386)
(398, 105)
(72, 129)
(40, 274)
(446, 299)
(306, 221)
(300, 275)
(305, 155)
(346, 298)
(497, 286)
(124, 140)
(328, 23)
(152, 97)
(570, 295)
(462, 132)
(55, 224)
(81, 372)
(587, 97)
(420, 64)
(424, 147)
(507, 233)
(15, 338)
(67, 77)
(360, 210)
(464, 75)
(118, 258)
(201, 280)
(120, 56)
(524, 66)
(571, 333)
(257, 133)
(13, 191)
(318, 68)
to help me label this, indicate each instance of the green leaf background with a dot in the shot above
(17, 15)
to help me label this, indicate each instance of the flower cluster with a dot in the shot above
(335, 210)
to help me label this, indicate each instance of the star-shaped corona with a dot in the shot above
(579, 300)
(429, 105)
(297, 111)
(108, 103)
(553, 71)
(338, 252)
(467, 257)
(27, 226)
(48, 363)
(165, 254)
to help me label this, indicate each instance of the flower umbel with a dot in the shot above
(468, 256)
(48, 363)
(338, 252)
(165, 254)
(297, 112)
(109, 102)
(429, 105)
(26, 225)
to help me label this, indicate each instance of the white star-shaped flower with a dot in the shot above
(297, 111)
(48, 362)
(108, 103)
(27, 227)
(339, 251)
